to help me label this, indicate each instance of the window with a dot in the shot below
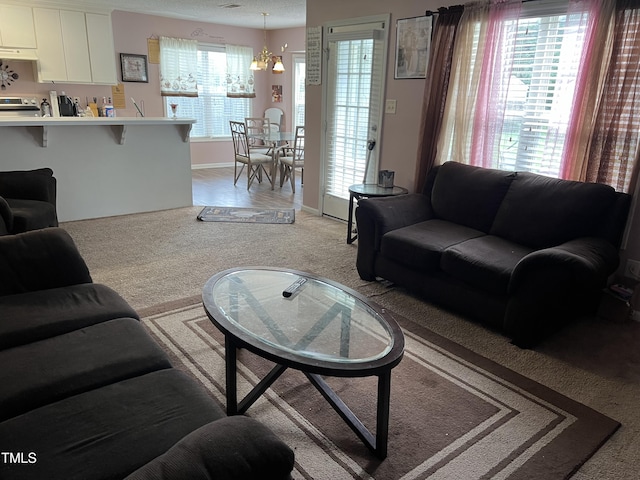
(547, 87)
(353, 92)
(540, 93)
(212, 108)
(299, 75)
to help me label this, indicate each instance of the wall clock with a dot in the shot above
(7, 76)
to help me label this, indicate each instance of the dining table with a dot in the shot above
(274, 140)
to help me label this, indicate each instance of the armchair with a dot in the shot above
(30, 196)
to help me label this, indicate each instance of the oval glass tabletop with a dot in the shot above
(318, 321)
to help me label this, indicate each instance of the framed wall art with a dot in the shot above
(134, 67)
(413, 42)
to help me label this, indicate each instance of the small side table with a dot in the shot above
(366, 190)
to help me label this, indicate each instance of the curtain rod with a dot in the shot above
(429, 13)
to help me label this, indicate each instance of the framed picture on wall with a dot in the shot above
(413, 42)
(134, 68)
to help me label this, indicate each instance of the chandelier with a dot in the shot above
(261, 62)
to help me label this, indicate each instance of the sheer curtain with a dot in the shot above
(240, 81)
(178, 67)
(494, 82)
(435, 95)
(454, 141)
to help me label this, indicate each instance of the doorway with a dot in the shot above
(355, 63)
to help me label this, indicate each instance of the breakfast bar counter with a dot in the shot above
(104, 166)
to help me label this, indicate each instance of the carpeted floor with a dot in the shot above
(162, 256)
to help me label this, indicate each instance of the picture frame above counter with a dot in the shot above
(134, 68)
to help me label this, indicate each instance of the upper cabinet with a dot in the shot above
(101, 51)
(74, 47)
(51, 64)
(16, 27)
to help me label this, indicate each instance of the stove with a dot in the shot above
(19, 106)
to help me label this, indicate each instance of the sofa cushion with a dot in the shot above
(469, 195)
(420, 246)
(543, 212)
(485, 263)
(55, 368)
(109, 432)
(32, 214)
(205, 454)
(32, 316)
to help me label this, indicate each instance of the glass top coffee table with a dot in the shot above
(310, 324)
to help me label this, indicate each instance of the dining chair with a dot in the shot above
(244, 155)
(275, 116)
(289, 159)
(258, 126)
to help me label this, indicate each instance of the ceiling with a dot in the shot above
(240, 13)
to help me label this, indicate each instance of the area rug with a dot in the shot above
(454, 414)
(247, 215)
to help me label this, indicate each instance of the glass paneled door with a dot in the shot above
(354, 88)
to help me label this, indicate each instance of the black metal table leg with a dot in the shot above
(350, 239)
(230, 357)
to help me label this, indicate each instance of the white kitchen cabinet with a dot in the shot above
(51, 65)
(76, 49)
(101, 49)
(16, 27)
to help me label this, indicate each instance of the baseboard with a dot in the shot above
(314, 211)
(199, 166)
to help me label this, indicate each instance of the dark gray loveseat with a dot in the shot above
(522, 252)
(86, 393)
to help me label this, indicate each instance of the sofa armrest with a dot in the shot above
(391, 213)
(37, 184)
(585, 261)
(551, 287)
(39, 260)
(377, 216)
(235, 447)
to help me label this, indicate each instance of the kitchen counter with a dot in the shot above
(119, 124)
(104, 166)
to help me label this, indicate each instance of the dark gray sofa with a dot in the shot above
(86, 393)
(522, 252)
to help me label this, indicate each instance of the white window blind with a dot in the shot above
(540, 94)
(347, 148)
(299, 75)
(212, 108)
(356, 93)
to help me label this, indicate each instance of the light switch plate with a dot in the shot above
(390, 107)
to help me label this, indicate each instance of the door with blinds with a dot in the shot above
(355, 62)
